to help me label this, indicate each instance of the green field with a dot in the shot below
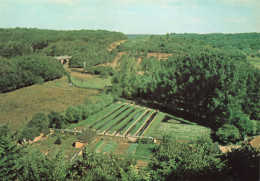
(180, 131)
(95, 83)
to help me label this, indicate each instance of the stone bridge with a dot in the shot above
(64, 59)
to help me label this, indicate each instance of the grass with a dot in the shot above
(125, 121)
(101, 123)
(118, 118)
(98, 145)
(67, 141)
(155, 124)
(254, 61)
(135, 118)
(141, 122)
(19, 106)
(180, 131)
(110, 147)
(94, 83)
(143, 151)
(95, 117)
(131, 149)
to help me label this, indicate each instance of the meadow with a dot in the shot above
(19, 106)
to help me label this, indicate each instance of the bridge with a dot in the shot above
(63, 59)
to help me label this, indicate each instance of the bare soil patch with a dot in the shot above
(114, 45)
(160, 56)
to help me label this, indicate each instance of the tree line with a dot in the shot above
(196, 160)
(26, 55)
(209, 85)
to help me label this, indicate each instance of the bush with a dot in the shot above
(244, 124)
(37, 125)
(56, 120)
(74, 115)
(58, 141)
(227, 133)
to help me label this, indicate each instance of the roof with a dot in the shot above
(87, 135)
(63, 57)
(255, 142)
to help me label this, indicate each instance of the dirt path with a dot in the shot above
(114, 45)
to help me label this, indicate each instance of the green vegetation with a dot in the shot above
(227, 133)
(204, 83)
(38, 124)
(95, 83)
(27, 55)
(18, 72)
(131, 149)
(180, 131)
(110, 147)
(119, 126)
(155, 124)
(179, 161)
(144, 151)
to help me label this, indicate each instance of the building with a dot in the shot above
(85, 138)
(255, 143)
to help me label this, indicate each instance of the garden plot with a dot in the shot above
(105, 119)
(116, 120)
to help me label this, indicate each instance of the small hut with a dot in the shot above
(255, 142)
(85, 138)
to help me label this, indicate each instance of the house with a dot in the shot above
(85, 138)
(255, 143)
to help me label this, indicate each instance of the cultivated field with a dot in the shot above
(19, 106)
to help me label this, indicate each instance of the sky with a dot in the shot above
(134, 16)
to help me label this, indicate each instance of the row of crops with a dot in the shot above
(124, 119)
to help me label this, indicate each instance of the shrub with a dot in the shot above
(74, 115)
(58, 141)
(37, 125)
(243, 123)
(227, 133)
(56, 120)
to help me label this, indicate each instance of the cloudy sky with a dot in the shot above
(134, 16)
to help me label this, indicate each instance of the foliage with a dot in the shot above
(104, 71)
(38, 124)
(243, 163)
(103, 167)
(228, 133)
(10, 156)
(44, 167)
(74, 115)
(27, 70)
(185, 161)
(56, 120)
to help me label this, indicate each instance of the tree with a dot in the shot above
(103, 167)
(10, 156)
(228, 133)
(74, 115)
(197, 159)
(56, 120)
(38, 124)
(44, 167)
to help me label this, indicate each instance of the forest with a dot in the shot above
(203, 79)
(20, 47)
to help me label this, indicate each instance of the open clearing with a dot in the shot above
(19, 106)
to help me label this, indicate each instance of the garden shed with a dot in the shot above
(85, 138)
(255, 142)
